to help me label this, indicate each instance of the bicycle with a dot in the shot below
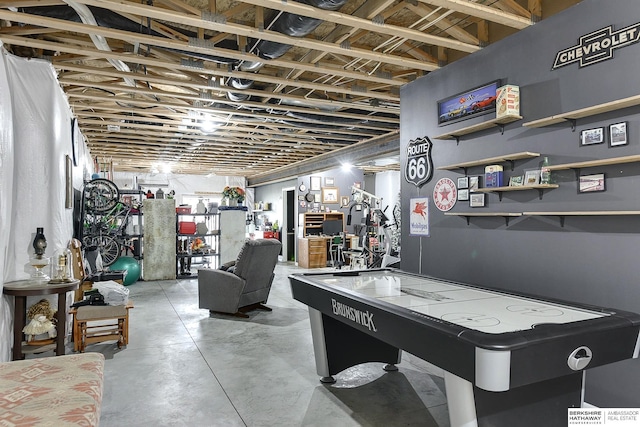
(105, 220)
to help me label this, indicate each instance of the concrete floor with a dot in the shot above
(185, 368)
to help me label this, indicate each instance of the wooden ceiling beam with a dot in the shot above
(363, 24)
(181, 97)
(179, 18)
(483, 12)
(203, 84)
(208, 67)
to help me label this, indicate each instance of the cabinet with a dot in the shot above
(310, 223)
(312, 252)
(200, 247)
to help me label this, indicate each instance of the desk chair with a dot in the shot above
(93, 323)
(336, 252)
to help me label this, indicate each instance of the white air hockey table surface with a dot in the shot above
(491, 343)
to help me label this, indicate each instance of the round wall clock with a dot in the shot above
(309, 197)
(302, 187)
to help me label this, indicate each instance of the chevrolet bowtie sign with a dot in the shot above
(597, 46)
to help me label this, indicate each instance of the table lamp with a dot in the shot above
(39, 261)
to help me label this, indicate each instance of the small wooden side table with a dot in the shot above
(21, 289)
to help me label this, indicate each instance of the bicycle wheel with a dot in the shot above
(108, 247)
(101, 195)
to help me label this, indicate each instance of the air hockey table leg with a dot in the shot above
(460, 400)
(337, 346)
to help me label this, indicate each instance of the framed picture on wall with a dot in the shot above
(516, 181)
(315, 183)
(474, 183)
(591, 183)
(618, 134)
(592, 136)
(532, 177)
(344, 201)
(330, 195)
(463, 182)
(476, 200)
(463, 194)
(329, 182)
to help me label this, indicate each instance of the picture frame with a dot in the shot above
(329, 182)
(68, 195)
(475, 183)
(516, 181)
(358, 184)
(315, 183)
(463, 194)
(317, 199)
(531, 177)
(463, 182)
(592, 183)
(618, 134)
(592, 136)
(470, 103)
(330, 195)
(476, 200)
(344, 201)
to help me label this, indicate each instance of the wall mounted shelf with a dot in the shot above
(572, 116)
(456, 134)
(594, 163)
(468, 215)
(563, 214)
(500, 190)
(506, 158)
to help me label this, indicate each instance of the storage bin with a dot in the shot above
(183, 209)
(187, 227)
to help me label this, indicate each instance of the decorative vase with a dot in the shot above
(233, 202)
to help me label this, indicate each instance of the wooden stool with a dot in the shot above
(108, 322)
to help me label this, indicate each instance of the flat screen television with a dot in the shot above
(332, 227)
(470, 103)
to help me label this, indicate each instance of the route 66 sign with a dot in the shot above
(419, 169)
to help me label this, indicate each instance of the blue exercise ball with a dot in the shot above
(130, 265)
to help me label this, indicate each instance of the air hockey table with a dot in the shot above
(509, 359)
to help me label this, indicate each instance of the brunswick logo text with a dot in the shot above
(360, 317)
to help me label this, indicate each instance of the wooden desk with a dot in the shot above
(22, 289)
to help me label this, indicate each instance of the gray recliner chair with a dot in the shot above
(244, 286)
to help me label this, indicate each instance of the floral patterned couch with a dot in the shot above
(52, 391)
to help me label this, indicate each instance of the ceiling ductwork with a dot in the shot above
(282, 22)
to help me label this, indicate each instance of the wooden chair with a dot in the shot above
(94, 323)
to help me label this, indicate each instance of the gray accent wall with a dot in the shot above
(593, 260)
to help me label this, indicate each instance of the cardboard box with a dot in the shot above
(493, 176)
(508, 101)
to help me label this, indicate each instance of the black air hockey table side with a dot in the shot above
(533, 372)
